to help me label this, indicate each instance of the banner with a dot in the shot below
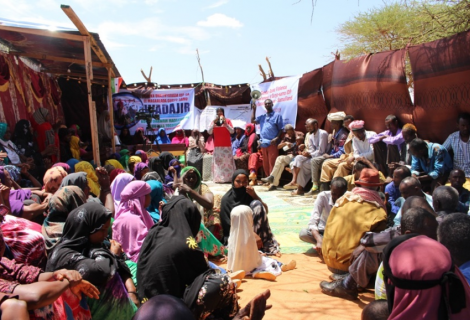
(175, 107)
(283, 93)
(239, 114)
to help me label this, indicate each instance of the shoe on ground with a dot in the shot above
(264, 275)
(290, 186)
(252, 176)
(337, 276)
(337, 289)
(272, 188)
(240, 274)
(290, 266)
(269, 179)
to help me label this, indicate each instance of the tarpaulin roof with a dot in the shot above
(58, 51)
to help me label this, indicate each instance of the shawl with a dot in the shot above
(420, 259)
(116, 164)
(234, 197)
(139, 167)
(40, 115)
(157, 196)
(61, 203)
(170, 259)
(72, 163)
(75, 245)
(119, 183)
(75, 147)
(156, 165)
(78, 179)
(370, 196)
(195, 141)
(132, 222)
(91, 177)
(251, 134)
(63, 165)
(53, 179)
(149, 176)
(164, 139)
(142, 154)
(242, 248)
(188, 168)
(124, 158)
(104, 125)
(209, 147)
(166, 157)
(114, 173)
(180, 139)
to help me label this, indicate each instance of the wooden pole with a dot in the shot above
(111, 109)
(91, 104)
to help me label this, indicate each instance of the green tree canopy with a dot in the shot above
(397, 24)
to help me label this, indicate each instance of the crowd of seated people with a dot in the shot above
(84, 241)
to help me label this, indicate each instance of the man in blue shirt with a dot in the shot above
(430, 162)
(271, 128)
(454, 233)
(393, 188)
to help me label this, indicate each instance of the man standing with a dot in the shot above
(338, 139)
(271, 129)
(459, 143)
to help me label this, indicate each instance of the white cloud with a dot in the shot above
(217, 4)
(220, 20)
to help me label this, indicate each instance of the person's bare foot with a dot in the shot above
(255, 309)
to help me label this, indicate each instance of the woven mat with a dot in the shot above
(287, 215)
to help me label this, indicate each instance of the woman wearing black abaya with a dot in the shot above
(170, 262)
(156, 165)
(242, 194)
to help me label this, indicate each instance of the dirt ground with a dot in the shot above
(296, 294)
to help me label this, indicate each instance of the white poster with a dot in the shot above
(283, 93)
(239, 114)
(174, 106)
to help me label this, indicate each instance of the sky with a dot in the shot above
(232, 36)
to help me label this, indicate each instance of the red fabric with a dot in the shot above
(251, 136)
(310, 102)
(270, 155)
(4, 71)
(36, 84)
(222, 137)
(41, 137)
(441, 73)
(255, 161)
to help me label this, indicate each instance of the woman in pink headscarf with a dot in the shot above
(132, 221)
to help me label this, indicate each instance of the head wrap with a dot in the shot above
(40, 115)
(61, 203)
(116, 164)
(78, 179)
(114, 173)
(164, 139)
(157, 196)
(142, 155)
(63, 165)
(104, 125)
(53, 178)
(336, 116)
(75, 147)
(139, 167)
(72, 163)
(14, 171)
(92, 178)
(3, 129)
(119, 183)
(356, 125)
(189, 168)
(22, 130)
(124, 158)
(156, 165)
(132, 221)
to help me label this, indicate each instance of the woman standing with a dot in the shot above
(104, 128)
(223, 165)
(45, 134)
(195, 150)
(170, 262)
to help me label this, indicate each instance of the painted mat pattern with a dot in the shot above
(287, 215)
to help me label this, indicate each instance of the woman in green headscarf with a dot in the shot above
(124, 160)
(190, 185)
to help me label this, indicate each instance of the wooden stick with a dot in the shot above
(270, 69)
(44, 33)
(263, 74)
(62, 59)
(111, 109)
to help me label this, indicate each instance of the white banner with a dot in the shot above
(239, 114)
(283, 93)
(175, 107)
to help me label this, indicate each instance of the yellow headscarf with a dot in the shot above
(135, 159)
(116, 164)
(91, 176)
(75, 147)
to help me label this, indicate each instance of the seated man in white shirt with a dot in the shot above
(321, 210)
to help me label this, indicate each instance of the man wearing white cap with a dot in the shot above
(337, 140)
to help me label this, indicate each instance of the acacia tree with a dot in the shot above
(398, 24)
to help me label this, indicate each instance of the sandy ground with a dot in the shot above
(296, 294)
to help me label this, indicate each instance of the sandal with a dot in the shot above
(290, 186)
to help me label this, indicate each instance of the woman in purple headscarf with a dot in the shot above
(140, 170)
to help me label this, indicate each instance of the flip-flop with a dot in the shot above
(290, 186)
